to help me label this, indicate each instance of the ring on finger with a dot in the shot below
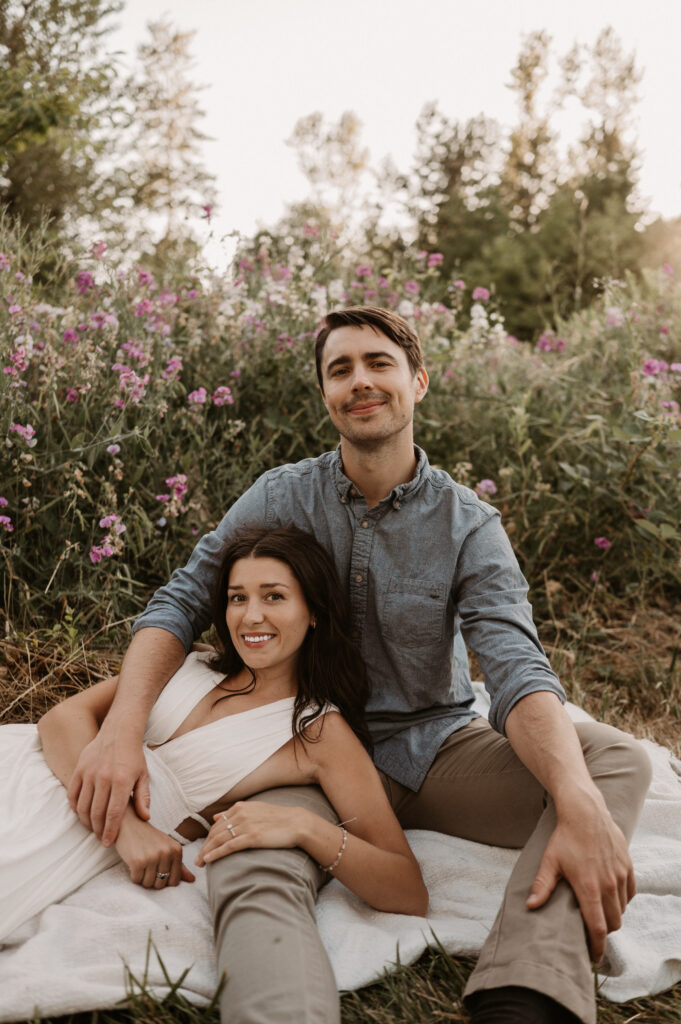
(163, 875)
(229, 826)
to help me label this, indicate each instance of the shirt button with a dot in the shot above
(358, 578)
(365, 523)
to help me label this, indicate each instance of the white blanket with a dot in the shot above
(81, 954)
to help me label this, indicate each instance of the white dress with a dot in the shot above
(45, 852)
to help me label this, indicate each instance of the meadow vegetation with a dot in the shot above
(135, 407)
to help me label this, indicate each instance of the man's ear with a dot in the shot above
(321, 392)
(421, 384)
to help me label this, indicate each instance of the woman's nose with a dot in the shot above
(253, 611)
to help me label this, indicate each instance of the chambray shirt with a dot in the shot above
(427, 568)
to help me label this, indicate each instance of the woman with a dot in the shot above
(274, 707)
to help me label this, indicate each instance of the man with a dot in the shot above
(428, 566)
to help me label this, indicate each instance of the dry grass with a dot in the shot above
(620, 664)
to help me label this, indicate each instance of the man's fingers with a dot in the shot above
(544, 883)
(115, 810)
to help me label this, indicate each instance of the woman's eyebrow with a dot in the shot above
(263, 586)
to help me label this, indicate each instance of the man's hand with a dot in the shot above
(109, 769)
(589, 851)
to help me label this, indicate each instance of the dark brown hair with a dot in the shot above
(393, 326)
(330, 667)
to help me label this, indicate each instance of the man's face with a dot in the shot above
(368, 388)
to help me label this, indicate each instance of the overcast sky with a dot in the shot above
(268, 62)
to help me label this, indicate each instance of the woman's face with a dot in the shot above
(267, 614)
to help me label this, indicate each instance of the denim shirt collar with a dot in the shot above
(398, 496)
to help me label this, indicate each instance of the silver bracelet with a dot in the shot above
(340, 852)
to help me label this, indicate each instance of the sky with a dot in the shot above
(266, 63)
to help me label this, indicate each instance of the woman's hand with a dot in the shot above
(154, 858)
(250, 825)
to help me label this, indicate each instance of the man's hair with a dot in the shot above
(393, 326)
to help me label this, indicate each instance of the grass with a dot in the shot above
(620, 662)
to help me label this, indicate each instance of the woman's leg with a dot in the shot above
(276, 968)
(478, 789)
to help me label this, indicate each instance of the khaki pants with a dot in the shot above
(276, 967)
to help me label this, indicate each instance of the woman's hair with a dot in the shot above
(330, 666)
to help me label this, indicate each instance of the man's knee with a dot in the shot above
(609, 751)
(269, 882)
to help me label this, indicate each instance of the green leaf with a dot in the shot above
(648, 527)
(674, 435)
(667, 531)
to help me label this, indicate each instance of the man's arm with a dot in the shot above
(112, 765)
(586, 848)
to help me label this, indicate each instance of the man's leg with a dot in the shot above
(276, 968)
(478, 789)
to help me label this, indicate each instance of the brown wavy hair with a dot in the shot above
(330, 666)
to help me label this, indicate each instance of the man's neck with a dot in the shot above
(376, 471)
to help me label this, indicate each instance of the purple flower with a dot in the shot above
(435, 259)
(15, 310)
(207, 210)
(144, 277)
(70, 336)
(113, 449)
(460, 285)
(363, 270)
(594, 577)
(197, 397)
(84, 282)
(3, 502)
(95, 554)
(485, 487)
(6, 524)
(412, 287)
(480, 294)
(603, 543)
(675, 367)
(237, 373)
(173, 368)
(162, 497)
(73, 395)
(222, 396)
(4, 262)
(178, 485)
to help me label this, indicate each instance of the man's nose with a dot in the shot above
(360, 379)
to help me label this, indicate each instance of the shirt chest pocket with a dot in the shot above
(414, 611)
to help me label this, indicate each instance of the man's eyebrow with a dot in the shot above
(366, 357)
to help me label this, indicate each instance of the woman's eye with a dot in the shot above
(275, 597)
(236, 598)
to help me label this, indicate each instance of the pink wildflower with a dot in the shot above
(97, 250)
(113, 449)
(163, 497)
(594, 577)
(95, 554)
(3, 502)
(27, 432)
(222, 396)
(485, 487)
(664, 329)
(603, 543)
(675, 367)
(73, 395)
(460, 285)
(173, 368)
(412, 287)
(15, 310)
(197, 397)
(480, 294)
(435, 259)
(207, 210)
(178, 485)
(70, 336)
(652, 367)
(4, 262)
(363, 270)
(668, 268)
(6, 524)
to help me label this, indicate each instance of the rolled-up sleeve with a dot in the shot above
(496, 621)
(183, 605)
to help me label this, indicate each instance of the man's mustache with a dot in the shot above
(365, 400)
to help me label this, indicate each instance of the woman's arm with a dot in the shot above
(376, 863)
(64, 732)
